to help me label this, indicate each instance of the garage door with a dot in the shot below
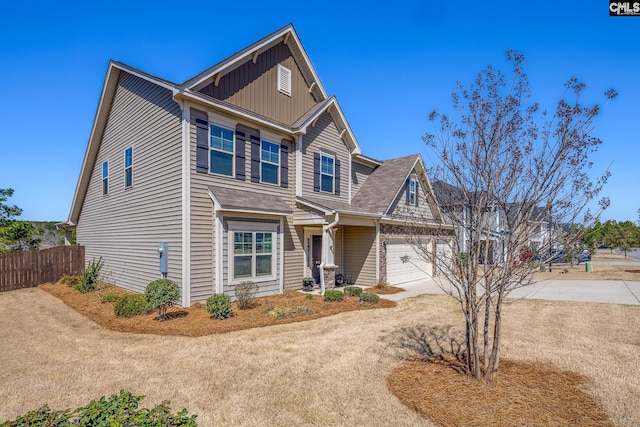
(405, 265)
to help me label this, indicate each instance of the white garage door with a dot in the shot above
(405, 265)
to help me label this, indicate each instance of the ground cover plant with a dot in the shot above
(197, 320)
(118, 410)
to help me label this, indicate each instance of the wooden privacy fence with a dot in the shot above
(26, 269)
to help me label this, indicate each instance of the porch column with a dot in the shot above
(328, 273)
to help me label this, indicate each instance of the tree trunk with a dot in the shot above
(497, 340)
(487, 318)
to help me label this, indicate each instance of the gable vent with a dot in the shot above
(284, 80)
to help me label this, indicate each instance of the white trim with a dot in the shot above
(186, 205)
(102, 181)
(307, 249)
(333, 175)
(219, 256)
(210, 148)
(124, 169)
(281, 238)
(349, 185)
(251, 227)
(413, 181)
(299, 165)
(377, 250)
(278, 165)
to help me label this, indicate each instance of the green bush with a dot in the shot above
(90, 275)
(245, 292)
(130, 305)
(161, 294)
(333, 295)
(118, 410)
(353, 291)
(70, 280)
(108, 298)
(219, 306)
(369, 298)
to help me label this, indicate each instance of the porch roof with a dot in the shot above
(230, 199)
(331, 206)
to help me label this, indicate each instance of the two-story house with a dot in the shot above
(249, 171)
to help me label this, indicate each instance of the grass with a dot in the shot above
(332, 370)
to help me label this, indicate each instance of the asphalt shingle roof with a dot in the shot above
(232, 199)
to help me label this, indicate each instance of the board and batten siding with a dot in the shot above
(324, 138)
(125, 226)
(254, 87)
(203, 250)
(360, 254)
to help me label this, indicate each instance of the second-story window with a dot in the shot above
(221, 150)
(128, 167)
(269, 162)
(412, 191)
(105, 177)
(327, 173)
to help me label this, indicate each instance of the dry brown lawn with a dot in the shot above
(605, 265)
(328, 371)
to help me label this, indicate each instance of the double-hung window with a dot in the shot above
(105, 177)
(252, 254)
(269, 162)
(221, 150)
(128, 167)
(327, 173)
(412, 191)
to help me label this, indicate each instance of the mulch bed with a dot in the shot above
(388, 290)
(195, 321)
(524, 393)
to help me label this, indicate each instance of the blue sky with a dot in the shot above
(388, 63)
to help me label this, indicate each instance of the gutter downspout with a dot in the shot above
(325, 249)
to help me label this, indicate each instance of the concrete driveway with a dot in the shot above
(604, 291)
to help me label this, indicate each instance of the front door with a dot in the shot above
(316, 257)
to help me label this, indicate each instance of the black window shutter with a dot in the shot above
(240, 155)
(417, 191)
(202, 146)
(255, 158)
(284, 164)
(337, 178)
(316, 171)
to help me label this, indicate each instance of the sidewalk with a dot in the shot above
(602, 291)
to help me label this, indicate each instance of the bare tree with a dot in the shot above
(506, 175)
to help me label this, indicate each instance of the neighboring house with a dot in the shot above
(493, 228)
(249, 171)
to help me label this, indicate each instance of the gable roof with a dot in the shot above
(286, 34)
(392, 174)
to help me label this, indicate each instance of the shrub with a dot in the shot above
(70, 280)
(369, 298)
(280, 312)
(161, 294)
(333, 295)
(245, 292)
(130, 305)
(118, 410)
(219, 306)
(353, 291)
(108, 298)
(90, 276)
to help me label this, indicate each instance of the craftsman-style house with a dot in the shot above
(248, 171)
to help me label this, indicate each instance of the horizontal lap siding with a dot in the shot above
(255, 87)
(324, 137)
(126, 226)
(359, 174)
(202, 219)
(360, 254)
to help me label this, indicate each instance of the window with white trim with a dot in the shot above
(327, 173)
(284, 80)
(105, 177)
(221, 150)
(269, 162)
(253, 254)
(412, 191)
(128, 167)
